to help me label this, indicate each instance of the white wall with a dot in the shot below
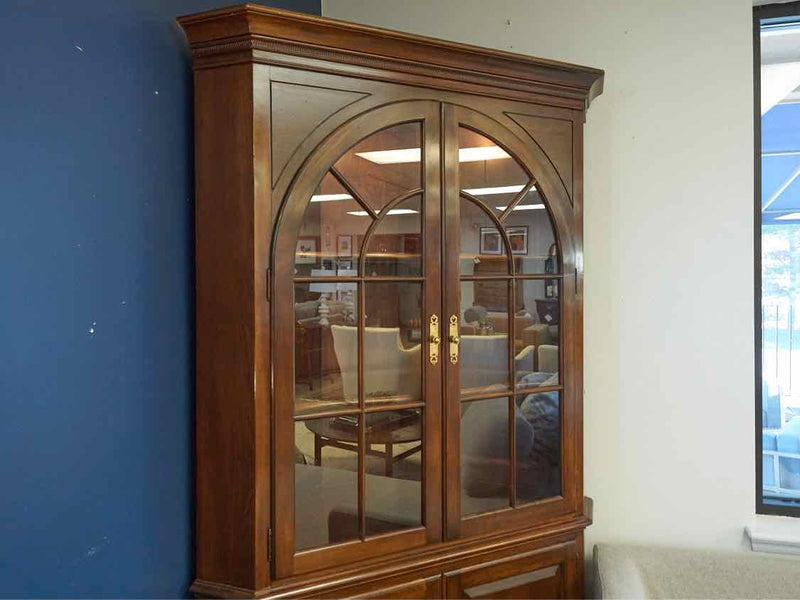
(669, 452)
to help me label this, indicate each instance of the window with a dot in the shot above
(777, 245)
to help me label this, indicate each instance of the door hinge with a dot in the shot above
(268, 285)
(576, 282)
(269, 544)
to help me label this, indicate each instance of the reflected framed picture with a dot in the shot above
(518, 238)
(306, 250)
(491, 243)
(344, 245)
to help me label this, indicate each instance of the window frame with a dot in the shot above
(761, 13)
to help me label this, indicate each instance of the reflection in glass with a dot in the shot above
(536, 333)
(332, 230)
(395, 247)
(531, 237)
(325, 368)
(538, 441)
(392, 348)
(394, 471)
(496, 182)
(326, 481)
(484, 456)
(483, 251)
(487, 172)
(483, 351)
(384, 165)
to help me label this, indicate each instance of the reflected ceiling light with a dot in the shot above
(500, 189)
(330, 197)
(412, 155)
(394, 211)
(790, 217)
(523, 207)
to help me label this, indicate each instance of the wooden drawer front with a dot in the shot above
(537, 574)
(420, 588)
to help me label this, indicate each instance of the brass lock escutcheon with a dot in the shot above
(453, 339)
(433, 340)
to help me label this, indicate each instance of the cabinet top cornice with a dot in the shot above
(258, 30)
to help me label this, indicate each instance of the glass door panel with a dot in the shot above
(326, 481)
(384, 165)
(393, 483)
(538, 446)
(395, 246)
(362, 375)
(325, 365)
(508, 329)
(332, 224)
(485, 458)
(537, 333)
(393, 356)
(487, 172)
(483, 351)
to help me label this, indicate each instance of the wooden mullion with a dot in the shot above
(512, 371)
(390, 406)
(326, 414)
(351, 190)
(362, 462)
(516, 392)
(357, 279)
(517, 199)
(500, 277)
(451, 244)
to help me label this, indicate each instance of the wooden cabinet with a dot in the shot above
(389, 312)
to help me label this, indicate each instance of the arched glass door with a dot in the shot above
(358, 438)
(419, 356)
(506, 356)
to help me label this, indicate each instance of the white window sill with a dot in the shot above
(777, 535)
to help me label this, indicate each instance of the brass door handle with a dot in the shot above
(433, 339)
(453, 338)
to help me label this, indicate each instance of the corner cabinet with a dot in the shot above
(389, 313)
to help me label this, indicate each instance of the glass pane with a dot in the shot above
(488, 172)
(394, 471)
(780, 263)
(531, 236)
(483, 251)
(384, 165)
(536, 333)
(392, 349)
(484, 456)
(325, 346)
(395, 247)
(332, 228)
(326, 481)
(483, 351)
(538, 441)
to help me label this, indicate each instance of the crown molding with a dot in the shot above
(258, 34)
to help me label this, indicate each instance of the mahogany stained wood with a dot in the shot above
(279, 97)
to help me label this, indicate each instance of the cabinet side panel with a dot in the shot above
(225, 326)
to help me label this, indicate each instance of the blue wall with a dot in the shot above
(96, 298)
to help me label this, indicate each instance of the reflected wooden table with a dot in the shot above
(335, 433)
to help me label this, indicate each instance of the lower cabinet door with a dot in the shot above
(536, 574)
(419, 588)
